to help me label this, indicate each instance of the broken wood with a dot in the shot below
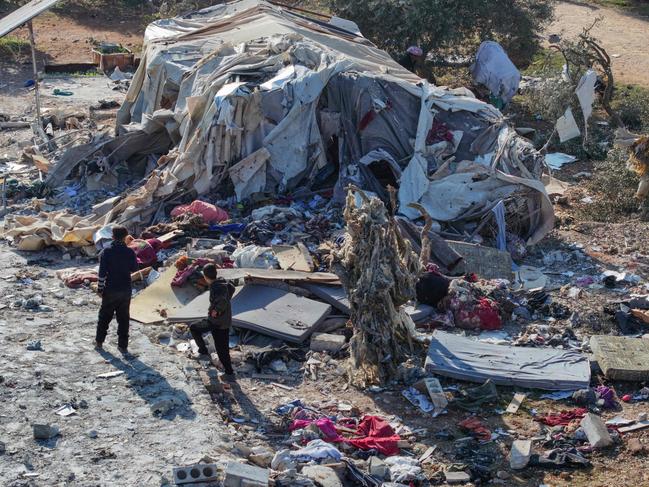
(516, 403)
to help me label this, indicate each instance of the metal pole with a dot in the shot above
(32, 43)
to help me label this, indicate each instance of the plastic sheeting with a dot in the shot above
(494, 69)
(230, 81)
(540, 368)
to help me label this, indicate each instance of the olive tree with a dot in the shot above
(449, 26)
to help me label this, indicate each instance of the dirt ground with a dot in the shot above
(624, 35)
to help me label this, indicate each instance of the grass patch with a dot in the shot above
(545, 63)
(13, 46)
(632, 103)
(613, 187)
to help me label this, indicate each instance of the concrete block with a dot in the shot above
(44, 431)
(325, 342)
(596, 431)
(520, 454)
(322, 476)
(242, 475)
(454, 478)
(206, 472)
(378, 468)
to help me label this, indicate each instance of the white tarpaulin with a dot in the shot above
(494, 69)
(247, 79)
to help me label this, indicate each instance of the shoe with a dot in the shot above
(123, 351)
(229, 377)
(202, 357)
(99, 345)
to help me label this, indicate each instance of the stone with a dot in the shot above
(261, 456)
(502, 475)
(92, 434)
(282, 461)
(378, 468)
(596, 431)
(520, 454)
(635, 447)
(453, 478)
(278, 366)
(622, 358)
(242, 475)
(322, 476)
(210, 379)
(44, 431)
(325, 342)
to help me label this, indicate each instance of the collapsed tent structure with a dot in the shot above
(257, 98)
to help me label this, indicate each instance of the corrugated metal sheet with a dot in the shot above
(25, 13)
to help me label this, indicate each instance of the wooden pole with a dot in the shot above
(32, 43)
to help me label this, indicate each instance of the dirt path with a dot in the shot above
(624, 36)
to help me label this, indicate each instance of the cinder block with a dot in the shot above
(520, 455)
(195, 473)
(242, 475)
(596, 431)
(325, 342)
(457, 478)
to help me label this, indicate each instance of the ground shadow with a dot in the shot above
(154, 388)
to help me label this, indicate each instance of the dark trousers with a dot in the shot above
(221, 341)
(114, 304)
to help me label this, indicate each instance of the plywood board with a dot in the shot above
(337, 297)
(486, 262)
(279, 275)
(161, 297)
(294, 257)
(540, 368)
(622, 358)
(267, 310)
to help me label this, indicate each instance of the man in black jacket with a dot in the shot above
(219, 319)
(116, 264)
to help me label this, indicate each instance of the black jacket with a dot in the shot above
(221, 292)
(116, 264)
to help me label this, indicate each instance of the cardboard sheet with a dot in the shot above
(266, 310)
(294, 257)
(538, 368)
(161, 297)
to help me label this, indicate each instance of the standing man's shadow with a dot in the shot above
(151, 386)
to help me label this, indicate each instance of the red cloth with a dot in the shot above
(146, 251)
(325, 425)
(488, 313)
(479, 430)
(373, 433)
(77, 279)
(564, 418)
(376, 434)
(209, 212)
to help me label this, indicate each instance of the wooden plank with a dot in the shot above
(516, 403)
(640, 425)
(154, 303)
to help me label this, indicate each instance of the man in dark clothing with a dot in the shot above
(412, 58)
(219, 319)
(116, 264)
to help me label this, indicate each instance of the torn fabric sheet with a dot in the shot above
(567, 126)
(250, 93)
(494, 69)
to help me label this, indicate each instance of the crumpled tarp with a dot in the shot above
(256, 94)
(494, 69)
(465, 359)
